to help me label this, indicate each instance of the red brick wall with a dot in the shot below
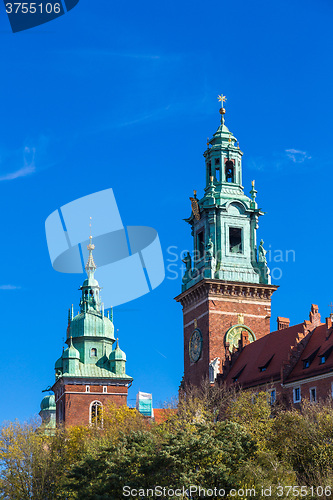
(76, 401)
(323, 389)
(215, 311)
(285, 394)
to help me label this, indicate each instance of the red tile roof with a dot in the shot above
(320, 342)
(162, 414)
(270, 351)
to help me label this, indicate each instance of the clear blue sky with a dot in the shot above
(123, 95)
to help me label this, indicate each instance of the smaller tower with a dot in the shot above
(48, 414)
(89, 374)
(118, 360)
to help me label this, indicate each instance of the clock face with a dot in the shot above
(195, 346)
(233, 336)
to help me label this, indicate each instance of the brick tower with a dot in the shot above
(226, 290)
(89, 374)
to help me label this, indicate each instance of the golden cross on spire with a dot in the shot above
(222, 98)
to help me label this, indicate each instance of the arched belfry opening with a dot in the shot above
(229, 171)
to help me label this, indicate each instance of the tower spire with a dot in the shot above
(222, 98)
(90, 266)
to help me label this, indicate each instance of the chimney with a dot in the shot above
(314, 315)
(245, 338)
(282, 323)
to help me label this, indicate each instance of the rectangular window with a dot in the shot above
(322, 360)
(105, 389)
(87, 388)
(201, 244)
(313, 395)
(273, 397)
(297, 394)
(235, 240)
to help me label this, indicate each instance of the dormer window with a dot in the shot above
(236, 377)
(323, 357)
(229, 171)
(264, 367)
(307, 361)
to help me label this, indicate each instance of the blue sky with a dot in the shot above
(124, 95)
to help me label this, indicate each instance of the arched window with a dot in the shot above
(96, 413)
(229, 171)
(93, 352)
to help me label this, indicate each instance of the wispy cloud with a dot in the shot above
(21, 162)
(280, 160)
(9, 287)
(297, 156)
(28, 168)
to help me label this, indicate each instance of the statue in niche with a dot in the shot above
(210, 249)
(262, 252)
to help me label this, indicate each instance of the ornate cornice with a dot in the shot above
(218, 288)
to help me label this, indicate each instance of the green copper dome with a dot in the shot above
(93, 324)
(71, 352)
(48, 403)
(90, 282)
(58, 364)
(117, 354)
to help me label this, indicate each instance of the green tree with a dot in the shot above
(205, 454)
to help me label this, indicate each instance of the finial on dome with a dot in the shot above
(222, 98)
(90, 266)
(253, 192)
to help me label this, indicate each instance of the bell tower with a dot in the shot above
(226, 287)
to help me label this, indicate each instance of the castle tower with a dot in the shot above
(89, 374)
(226, 290)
